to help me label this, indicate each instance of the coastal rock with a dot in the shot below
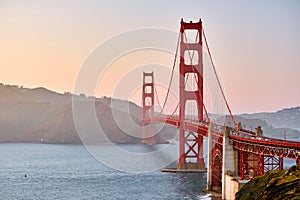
(273, 185)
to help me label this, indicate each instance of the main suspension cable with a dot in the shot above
(172, 74)
(157, 96)
(211, 60)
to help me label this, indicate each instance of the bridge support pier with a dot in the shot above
(209, 159)
(230, 164)
(214, 161)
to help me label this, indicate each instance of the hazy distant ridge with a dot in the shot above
(35, 115)
(287, 117)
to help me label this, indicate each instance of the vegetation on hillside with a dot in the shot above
(274, 185)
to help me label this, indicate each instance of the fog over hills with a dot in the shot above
(268, 130)
(287, 117)
(276, 124)
(41, 115)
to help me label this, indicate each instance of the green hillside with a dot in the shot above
(276, 185)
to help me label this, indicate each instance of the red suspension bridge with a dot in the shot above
(231, 150)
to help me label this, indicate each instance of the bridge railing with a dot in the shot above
(252, 138)
(201, 127)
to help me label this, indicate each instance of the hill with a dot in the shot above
(268, 130)
(34, 115)
(287, 117)
(41, 115)
(273, 185)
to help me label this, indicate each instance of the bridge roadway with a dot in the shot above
(243, 140)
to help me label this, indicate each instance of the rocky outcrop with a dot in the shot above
(279, 185)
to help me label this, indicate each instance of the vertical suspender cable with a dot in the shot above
(171, 74)
(191, 58)
(211, 60)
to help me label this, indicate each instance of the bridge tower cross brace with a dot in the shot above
(148, 108)
(191, 149)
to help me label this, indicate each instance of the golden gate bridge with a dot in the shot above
(231, 150)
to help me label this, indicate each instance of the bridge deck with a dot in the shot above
(244, 140)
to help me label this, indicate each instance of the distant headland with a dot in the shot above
(40, 115)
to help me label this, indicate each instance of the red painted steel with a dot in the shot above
(242, 165)
(243, 140)
(273, 163)
(256, 154)
(255, 164)
(266, 148)
(216, 169)
(191, 145)
(148, 108)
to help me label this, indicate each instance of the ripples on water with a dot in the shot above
(70, 172)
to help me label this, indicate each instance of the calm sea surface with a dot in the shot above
(70, 172)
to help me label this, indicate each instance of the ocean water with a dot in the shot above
(70, 172)
(287, 162)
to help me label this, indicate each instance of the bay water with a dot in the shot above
(70, 172)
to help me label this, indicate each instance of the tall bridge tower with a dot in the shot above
(234, 154)
(191, 144)
(148, 108)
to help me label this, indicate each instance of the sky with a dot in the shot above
(255, 44)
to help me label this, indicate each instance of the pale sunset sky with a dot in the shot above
(255, 44)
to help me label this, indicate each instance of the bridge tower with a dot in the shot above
(148, 108)
(191, 149)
